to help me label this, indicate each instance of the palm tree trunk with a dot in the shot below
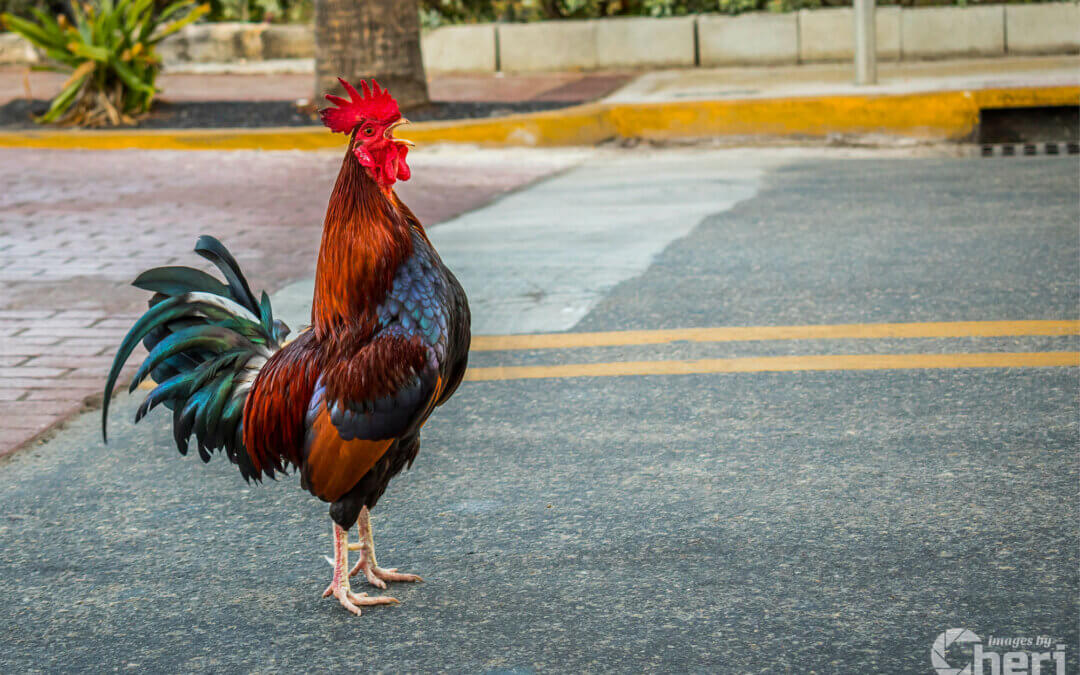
(361, 39)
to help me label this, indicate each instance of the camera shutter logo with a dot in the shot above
(941, 648)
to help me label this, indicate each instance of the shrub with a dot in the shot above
(278, 11)
(437, 12)
(108, 48)
(22, 7)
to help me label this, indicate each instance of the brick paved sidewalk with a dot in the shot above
(571, 87)
(76, 227)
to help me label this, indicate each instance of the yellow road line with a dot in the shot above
(781, 364)
(944, 329)
(763, 364)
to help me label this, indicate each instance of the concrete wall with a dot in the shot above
(751, 39)
(215, 42)
(643, 42)
(549, 45)
(14, 49)
(584, 45)
(758, 39)
(1042, 29)
(460, 49)
(940, 32)
(828, 34)
(288, 42)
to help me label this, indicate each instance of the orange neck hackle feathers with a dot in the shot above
(365, 238)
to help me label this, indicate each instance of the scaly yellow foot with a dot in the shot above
(339, 585)
(376, 576)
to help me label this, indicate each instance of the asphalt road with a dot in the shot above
(833, 521)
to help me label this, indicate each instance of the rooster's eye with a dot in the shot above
(368, 130)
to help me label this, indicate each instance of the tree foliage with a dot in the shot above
(437, 12)
(275, 11)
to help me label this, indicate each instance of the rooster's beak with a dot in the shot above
(389, 133)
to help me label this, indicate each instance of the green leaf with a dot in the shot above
(49, 68)
(32, 32)
(135, 12)
(49, 24)
(100, 54)
(109, 34)
(63, 100)
(130, 78)
(81, 22)
(173, 9)
(193, 15)
(63, 56)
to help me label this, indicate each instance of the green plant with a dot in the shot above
(108, 47)
(278, 11)
(435, 13)
(22, 7)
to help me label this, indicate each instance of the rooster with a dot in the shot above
(345, 401)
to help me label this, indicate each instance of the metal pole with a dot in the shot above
(865, 43)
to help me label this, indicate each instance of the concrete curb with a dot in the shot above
(939, 115)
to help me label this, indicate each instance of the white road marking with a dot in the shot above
(538, 260)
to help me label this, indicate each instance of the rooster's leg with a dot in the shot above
(339, 586)
(376, 575)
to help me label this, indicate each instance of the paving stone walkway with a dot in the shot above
(77, 226)
(16, 81)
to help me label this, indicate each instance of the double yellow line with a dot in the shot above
(951, 329)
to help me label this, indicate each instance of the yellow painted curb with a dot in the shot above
(944, 115)
(941, 115)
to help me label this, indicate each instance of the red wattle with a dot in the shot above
(390, 168)
(403, 171)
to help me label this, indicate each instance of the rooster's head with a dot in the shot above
(371, 117)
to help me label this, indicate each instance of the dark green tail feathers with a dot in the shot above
(206, 341)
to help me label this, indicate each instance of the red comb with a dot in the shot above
(374, 104)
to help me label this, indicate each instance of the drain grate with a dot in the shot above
(1030, 149)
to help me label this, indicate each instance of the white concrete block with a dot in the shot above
(637, 42)
(939, 32)
(16, 50)
(173, 49)
(748, 39)
(459, 49)
(249, 42)
(1049, 28)
(288, 42)
(209, 42)
(829, 34)
(547, 45)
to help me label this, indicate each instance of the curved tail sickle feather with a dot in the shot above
(207, 340)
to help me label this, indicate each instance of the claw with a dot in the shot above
(373, 579)
(339, 586)
(375, 575)
(354, 601)
(393, 575)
